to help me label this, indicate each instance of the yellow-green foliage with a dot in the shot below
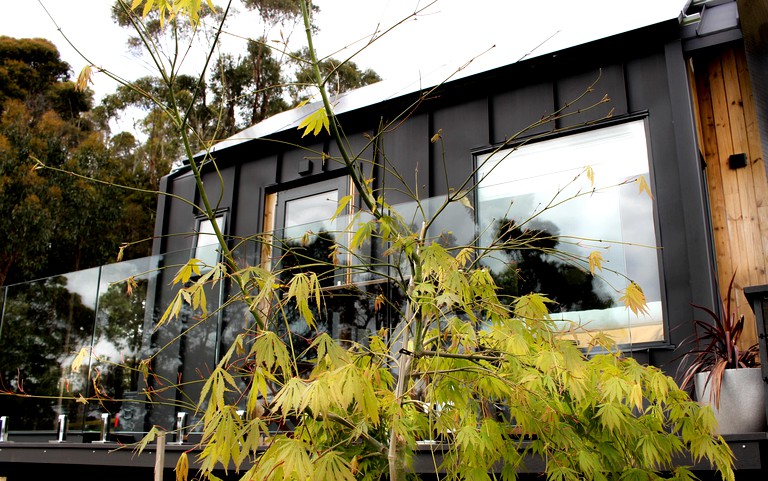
(495, 382)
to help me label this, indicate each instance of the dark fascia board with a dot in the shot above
(747, 447)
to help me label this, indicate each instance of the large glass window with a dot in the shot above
(541, 195)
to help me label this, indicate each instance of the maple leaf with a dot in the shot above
(643, 186)
(79, 359)
(378, 302)
(463, 198)
(634, 299)
(130, 285)
(84, 78)
(590, 175)
(182, 468)
(595, 261)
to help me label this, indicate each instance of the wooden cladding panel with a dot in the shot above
(708, 145)
(738, 198)
(757, 159)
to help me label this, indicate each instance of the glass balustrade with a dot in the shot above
(104, 318)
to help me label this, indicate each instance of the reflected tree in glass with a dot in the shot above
(116, 350)
(531, 269)
(45, 324)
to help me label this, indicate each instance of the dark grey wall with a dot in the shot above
(640, 78)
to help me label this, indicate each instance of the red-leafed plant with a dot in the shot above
(716, 346)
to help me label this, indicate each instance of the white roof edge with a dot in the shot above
(388, 89)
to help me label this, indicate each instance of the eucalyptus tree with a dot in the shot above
(52, 219)
(338, 76)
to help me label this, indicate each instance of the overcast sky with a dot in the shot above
(446, 35)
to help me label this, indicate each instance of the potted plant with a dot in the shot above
(724, 375)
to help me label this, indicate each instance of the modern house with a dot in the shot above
(671, 117)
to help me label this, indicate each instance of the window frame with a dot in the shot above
(275, 213)
(196, 245)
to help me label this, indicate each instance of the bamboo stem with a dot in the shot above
(160, 456)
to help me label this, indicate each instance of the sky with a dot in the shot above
(444, 36)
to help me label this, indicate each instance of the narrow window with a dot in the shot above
(206, 244)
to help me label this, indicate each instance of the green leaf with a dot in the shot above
(532, 306)
(634, 474)
(289, 399)
(270, 351)
(293, 458)
(318, 397)
(173, 309)
(329, 353)
(148, 438)
(343, 203)
(636, 396)
(332, 466)
(185, 273)
(463, 198)
(302, 288)
(362, 234)
(147, 8)
(611, 416)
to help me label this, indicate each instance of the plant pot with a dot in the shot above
(742, 400)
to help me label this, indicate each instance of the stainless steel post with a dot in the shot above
(3, 429)
(104, 434)
(61, 429)
(181, 425)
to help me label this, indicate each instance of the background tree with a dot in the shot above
(247, 89)
(339, 76)
(162, 145)
(59, 222)
(240, 91)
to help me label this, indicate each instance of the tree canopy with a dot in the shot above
(239, 90)
(58, 221)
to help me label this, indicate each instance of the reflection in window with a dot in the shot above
(305, 242)
(45, 324)
(538, 196)
(206, 244)
(309, 214)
